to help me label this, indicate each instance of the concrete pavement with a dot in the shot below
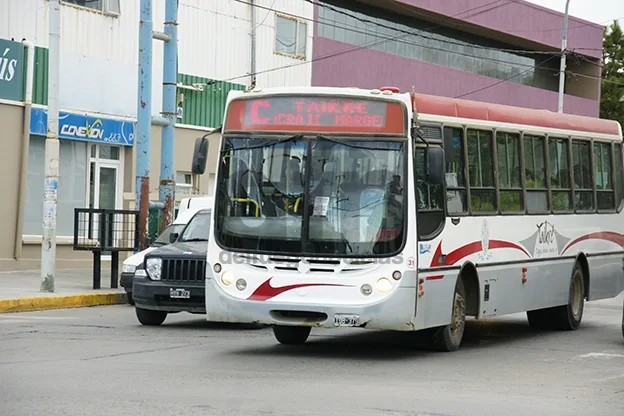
(101, 361)
(19, 291)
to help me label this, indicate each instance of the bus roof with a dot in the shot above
(477, 110)
(466, 109)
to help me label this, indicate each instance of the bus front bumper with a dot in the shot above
(396, 312)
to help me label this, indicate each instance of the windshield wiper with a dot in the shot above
(195, 239)
(347, 144)
(261, 146)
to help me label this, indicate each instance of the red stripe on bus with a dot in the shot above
(613, 237)
(472, 248)
(266, 291)
(436, 277)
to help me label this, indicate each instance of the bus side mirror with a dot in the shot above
(435, 165)
(200, 156)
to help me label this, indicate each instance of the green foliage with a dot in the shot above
(612, 88)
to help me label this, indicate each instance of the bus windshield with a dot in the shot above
(314, 196)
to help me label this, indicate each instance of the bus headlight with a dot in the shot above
(227, 278)
(241, 284)
(383, 285)
(153, 267)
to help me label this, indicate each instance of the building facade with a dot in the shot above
(98, 102)
(500, 51)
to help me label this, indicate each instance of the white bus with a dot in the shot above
(385, 210)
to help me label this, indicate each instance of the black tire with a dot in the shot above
(291, 335)
(149, 317)
(565, 317)
(448, 338)
(130, 300)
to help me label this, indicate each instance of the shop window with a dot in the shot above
(535, 171)
(583, 183)
(291, 36)
(560, 175)
(481, 172)
(509, 182)
(72, 185)
(184, 183)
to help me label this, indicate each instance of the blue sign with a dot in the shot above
(85, 128)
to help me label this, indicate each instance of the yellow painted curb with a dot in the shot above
(61, 302)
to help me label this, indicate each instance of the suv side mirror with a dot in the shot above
(200, 156)
(173, 237)
(435, 165)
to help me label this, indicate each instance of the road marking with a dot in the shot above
(601, 355)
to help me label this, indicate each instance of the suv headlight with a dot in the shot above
(153, 267)
(128, 268)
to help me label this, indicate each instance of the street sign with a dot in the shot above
(11, 70)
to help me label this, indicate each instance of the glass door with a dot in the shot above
(104, 187)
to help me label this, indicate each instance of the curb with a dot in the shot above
(61, 302)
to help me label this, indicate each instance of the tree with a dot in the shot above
(612, 88)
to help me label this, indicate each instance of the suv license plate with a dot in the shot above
(179, 293)
(346, 320)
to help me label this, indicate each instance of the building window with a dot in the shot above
(106, 6)
(184, 183)
(71, 188)
(291, 36)
(385, 31)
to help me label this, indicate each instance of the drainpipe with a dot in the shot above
(253, 44)
(170, 82)
(21, 201)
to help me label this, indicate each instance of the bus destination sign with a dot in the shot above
(316, 114)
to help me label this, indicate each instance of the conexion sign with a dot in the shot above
(85, 128)
(316, 114)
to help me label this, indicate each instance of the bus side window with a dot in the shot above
(429, 199)
(619, 175)
(455, 170)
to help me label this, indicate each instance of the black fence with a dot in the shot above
(104, 232)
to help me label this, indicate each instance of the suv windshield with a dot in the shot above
(163, 239)
(198, 228)
(353, 204)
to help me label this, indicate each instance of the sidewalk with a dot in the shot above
(73, 288)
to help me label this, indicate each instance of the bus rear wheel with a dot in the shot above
(291, 335)
(448, 338)
(565, 317)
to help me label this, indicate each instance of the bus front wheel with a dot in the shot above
(291, 335)
(448, 338)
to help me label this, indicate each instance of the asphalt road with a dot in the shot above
(100, 361)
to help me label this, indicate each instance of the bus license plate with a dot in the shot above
(346, 320)
(179, 293)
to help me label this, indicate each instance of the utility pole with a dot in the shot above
(170, 83)
(564, 46)
(50, 197)
(144, 111)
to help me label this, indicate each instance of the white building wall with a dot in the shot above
(100, 52)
